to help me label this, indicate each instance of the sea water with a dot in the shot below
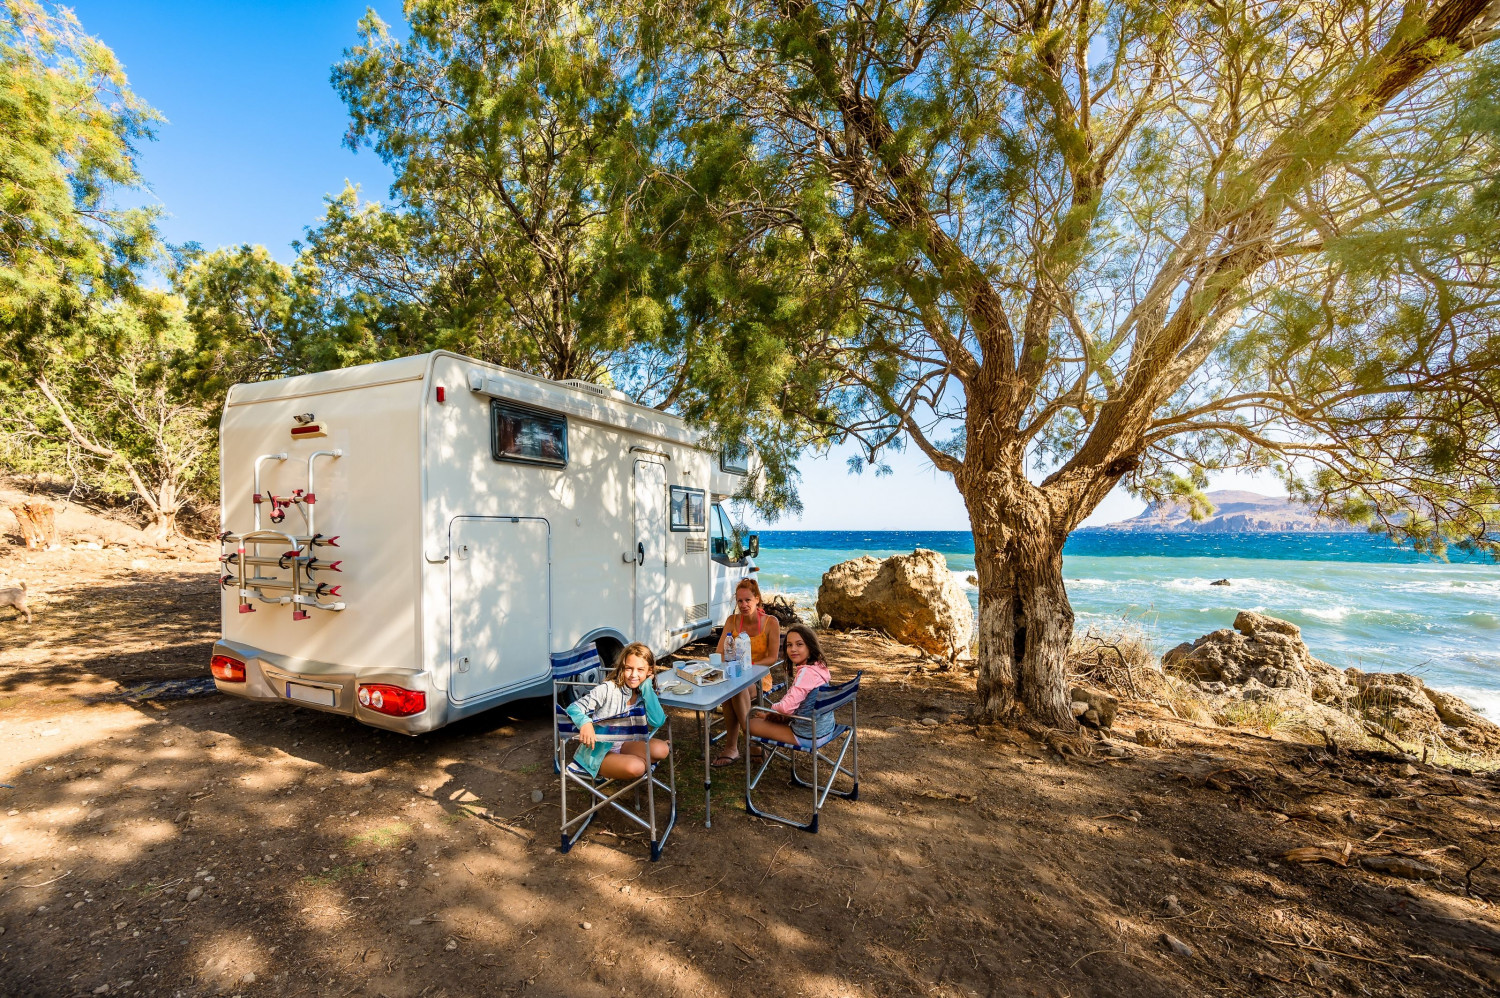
(1359, 599)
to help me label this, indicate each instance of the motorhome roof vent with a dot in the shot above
(603, 391)
(586, 386)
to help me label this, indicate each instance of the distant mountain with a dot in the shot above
(1234, 512)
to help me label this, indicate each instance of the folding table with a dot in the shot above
(704, 700)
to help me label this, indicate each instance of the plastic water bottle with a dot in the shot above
(741, 653)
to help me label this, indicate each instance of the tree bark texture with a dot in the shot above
(1025, 619)
(38, 523)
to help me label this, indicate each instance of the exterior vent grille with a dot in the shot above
(586, 386)
(697, 543)
(695, 613)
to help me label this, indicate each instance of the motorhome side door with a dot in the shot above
(651, 617)
(499, 573)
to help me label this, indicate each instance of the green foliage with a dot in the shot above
(518, 133)
(92, 364)
(1117, 240)
(68, 124)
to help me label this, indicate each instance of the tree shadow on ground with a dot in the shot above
(214, 845)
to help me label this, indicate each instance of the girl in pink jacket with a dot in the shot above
(809, 674)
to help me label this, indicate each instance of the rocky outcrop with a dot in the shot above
(912, 597)
(1262, 672)
(1464, 722)
(1265, 649)
(1287, 710)
(1397, 702)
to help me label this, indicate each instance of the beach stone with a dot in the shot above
(1099, 708)
(1176, 945)
(1155, 736)
(912, 597)
(1400, 866)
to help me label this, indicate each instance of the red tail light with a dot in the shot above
(228, 669)
(392, 700)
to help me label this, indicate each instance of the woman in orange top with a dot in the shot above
(765, 649)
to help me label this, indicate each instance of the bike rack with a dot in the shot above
(299, 589)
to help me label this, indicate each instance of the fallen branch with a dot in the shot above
(44, 883)
(1377, 731)
(684, 897)
(763, 876)
(1331, 952)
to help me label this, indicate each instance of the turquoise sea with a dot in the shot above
(1359, 599)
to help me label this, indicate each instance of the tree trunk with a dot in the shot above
(1025, 619)
(164, 530)
(165, 508)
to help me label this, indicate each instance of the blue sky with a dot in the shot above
(252, 145)
(252, 142)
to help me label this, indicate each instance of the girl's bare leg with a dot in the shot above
(638, 749)
(622, 765)
(762, 728)
(736, 711)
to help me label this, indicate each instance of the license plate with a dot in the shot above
(310, 694)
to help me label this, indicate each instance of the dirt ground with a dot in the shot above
(194, 845)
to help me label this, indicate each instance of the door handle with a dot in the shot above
(640, 553)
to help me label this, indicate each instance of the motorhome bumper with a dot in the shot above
(333, 689)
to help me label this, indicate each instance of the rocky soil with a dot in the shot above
(158, 839)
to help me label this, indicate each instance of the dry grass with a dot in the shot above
(1183, 700)
(1119, 660)
(1263, 716)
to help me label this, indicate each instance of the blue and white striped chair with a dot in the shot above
(843, 739)
(576, 672)
(629, 726)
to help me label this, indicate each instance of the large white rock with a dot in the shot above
(912, 597)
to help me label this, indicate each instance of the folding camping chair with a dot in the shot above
(577, 671)
(629, 726)
(844, 738)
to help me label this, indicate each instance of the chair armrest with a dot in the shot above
(798, 717)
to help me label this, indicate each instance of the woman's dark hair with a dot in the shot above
(814, 653)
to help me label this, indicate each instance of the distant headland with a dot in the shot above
(1235, 512)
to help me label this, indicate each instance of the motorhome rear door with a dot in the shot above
(651, 616)
(499, 574)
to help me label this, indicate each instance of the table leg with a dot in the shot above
(707, 777)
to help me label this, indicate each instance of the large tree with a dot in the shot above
(1064, 245)
(518, 133)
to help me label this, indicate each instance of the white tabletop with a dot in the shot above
(709, 697)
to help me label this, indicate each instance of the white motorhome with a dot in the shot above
(408, 542)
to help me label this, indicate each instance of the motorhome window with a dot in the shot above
(735, 459)
(520, 434)
(688, 509)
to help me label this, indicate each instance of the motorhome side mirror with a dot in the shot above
(752, 545)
